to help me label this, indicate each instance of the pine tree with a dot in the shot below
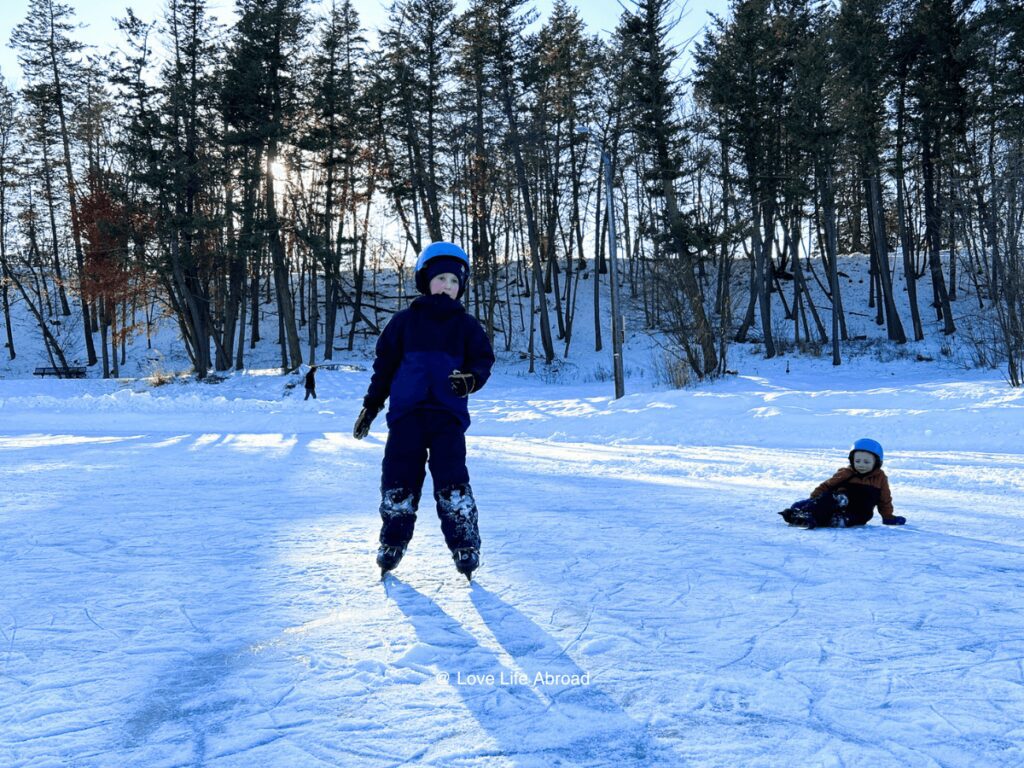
(261, 101)
(740, 73)
(418, 44)
(335, 137)
(46, 52)
(652, 95)
(476, 136)
(563, 72)
(507, 21)
(937, 70)
(185, 178)
(8, 161)
(863, 82)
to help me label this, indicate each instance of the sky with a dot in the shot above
(99, 29)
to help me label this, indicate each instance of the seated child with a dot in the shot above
(850, 496)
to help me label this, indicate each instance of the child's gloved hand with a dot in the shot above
(894, 520)
(462, 383)
(363, 422)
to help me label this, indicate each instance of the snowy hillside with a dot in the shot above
(649, 357)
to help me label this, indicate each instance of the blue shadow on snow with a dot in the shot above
(535, 722)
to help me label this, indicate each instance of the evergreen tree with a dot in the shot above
(863, 83)
(932, 42)
(186, 179)
(261, 98)
(652, 97)
(506, 22)
(476, 138)
(563, 73)
(8, 162)
(417, 47)
(47, 54)
(741, 73)
(335, 135)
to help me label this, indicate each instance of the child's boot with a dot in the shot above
(388, 558)
(800, 518)
(398, 516)
(457, 509)
(467, 560)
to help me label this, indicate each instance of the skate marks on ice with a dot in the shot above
(538, 706)
(765, 646)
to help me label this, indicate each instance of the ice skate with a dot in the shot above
(466, 560)
(799, 518)
(388, 558)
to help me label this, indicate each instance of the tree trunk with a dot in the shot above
(826, 192)
(76, 228)
(531, 220)
(65, 308)
(906, 238)
(282, 286)
(880, 248)
(933, 213)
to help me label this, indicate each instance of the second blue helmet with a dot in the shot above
(869, 445)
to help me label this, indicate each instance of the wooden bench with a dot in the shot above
(71, 372)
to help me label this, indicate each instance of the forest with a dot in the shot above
(276, 178)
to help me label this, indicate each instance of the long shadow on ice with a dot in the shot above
(533, 724)
(613, 737)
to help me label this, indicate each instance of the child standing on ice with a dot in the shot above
(430, 357)
(850, 496)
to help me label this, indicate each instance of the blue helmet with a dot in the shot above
(446, 257)
(869, 445)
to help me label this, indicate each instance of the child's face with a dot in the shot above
(863, 461)
(445, 283)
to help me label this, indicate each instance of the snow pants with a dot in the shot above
(419, 440)
(830, 510)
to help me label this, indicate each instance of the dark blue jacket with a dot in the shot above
(417, 351)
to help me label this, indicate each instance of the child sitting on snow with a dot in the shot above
(430, 358)
(849, 497)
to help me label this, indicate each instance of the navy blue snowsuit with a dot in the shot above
(427, 421)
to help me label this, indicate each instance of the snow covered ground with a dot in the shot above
(187, 578)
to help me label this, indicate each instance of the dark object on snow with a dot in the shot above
(866, 489)
(70, 372)
(849, 497)
(411, 441)
(311, 383)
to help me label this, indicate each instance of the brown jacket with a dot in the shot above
(874, 482)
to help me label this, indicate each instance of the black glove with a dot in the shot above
(363, 422)
(894, 520)
(462, 383)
